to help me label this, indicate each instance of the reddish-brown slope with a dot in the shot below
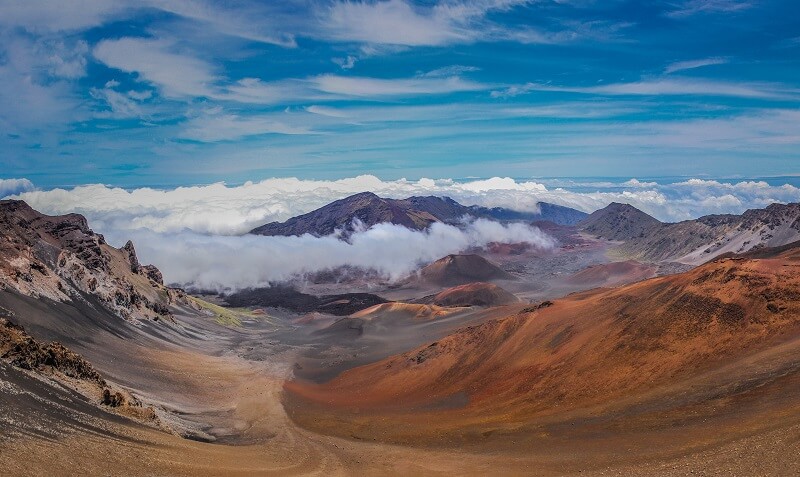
(461, 269)
(472, 294)
(612, 274)
(600, 348)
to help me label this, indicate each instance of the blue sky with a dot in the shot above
(165, 92)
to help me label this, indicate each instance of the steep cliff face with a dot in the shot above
(60, 258)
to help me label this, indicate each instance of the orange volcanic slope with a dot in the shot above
(612, 274)
(461, 269)
(473, 294)
(733, 324)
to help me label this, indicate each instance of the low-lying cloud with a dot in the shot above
(195, 234)
(235, 262)
(231, 210)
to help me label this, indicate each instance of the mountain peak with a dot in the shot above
(416, 212)
(618, 221)
(455, 269)
(361, 195)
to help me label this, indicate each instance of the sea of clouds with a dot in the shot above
(224, 262)
(196, 235)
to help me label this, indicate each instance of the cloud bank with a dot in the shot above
(235, 262)
(195, 234)
(14, 186)
(219, 209)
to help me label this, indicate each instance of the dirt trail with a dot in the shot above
(240, 400)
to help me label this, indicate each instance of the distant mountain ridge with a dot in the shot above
(694, 241)
(416, 213)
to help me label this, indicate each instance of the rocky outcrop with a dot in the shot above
(60, 258)
(22, 351)
(58, 364)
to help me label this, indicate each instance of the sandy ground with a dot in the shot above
(225, 388)
(248, 398)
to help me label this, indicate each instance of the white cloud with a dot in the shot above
(181, 230)
(346, 63)
(247, 261)
(121, 105)
(216, 125)
(176, 75)
(376, 87)
(694, 7)
(335, 87)
(759, 128)
(453, 70)
(403, 23)
(326, 111)
(34, 93)
(45, 16)
(395, 22)
(575, 110)
(219, 209)
(439, 114)
(140, 95)
(14, 186)
(65, 61)
(665, 87)
(258, 21)
(255, 91)
(692, 64)
(637, 183)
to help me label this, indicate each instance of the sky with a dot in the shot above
(164, 93)
(185, 124)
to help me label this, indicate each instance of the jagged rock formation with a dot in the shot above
(60, 258)
(22, 351)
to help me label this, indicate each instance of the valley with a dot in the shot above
(510, 358)
(405, 238)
